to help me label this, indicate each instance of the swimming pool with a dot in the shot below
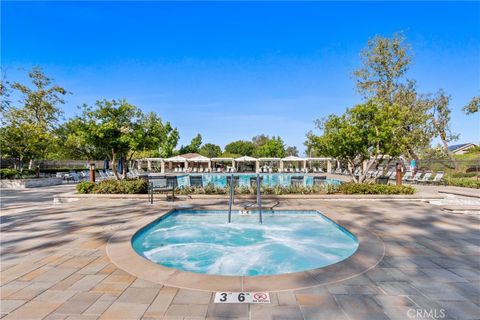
(202, 241)
(245, 179)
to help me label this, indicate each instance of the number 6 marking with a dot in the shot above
(241, 297)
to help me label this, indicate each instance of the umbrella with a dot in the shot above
(120, 165)
(106, 164)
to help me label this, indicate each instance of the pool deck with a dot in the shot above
(54, 263)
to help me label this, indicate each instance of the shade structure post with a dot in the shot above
(162, 167)
(149, 165)
(329, 166)
(257, 166)
(92, 172)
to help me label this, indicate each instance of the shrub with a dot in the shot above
(85, 187)
(463, 182)
(252, 190)
(371, 188)
(134, 186)
(462, 174)
(16, 174)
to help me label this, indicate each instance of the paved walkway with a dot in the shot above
(54, 266)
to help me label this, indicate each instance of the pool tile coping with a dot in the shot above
(370, 252)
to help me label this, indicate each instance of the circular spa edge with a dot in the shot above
(370, 252)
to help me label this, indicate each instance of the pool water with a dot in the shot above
(203, 242)
(244, 179)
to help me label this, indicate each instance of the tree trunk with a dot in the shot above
(363, 177)
(30, 164)
(351, 170)
(450, 154)
(124, 167)
(114, 165)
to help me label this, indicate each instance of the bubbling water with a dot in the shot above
(203, 242)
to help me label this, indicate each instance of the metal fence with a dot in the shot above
(460, 166)
(54, 164)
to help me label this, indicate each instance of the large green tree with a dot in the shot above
(291, 151)
(168, 145)
(384, 64)
(71, 141)
(272, 147)
(109, 126)
(120, 130)
(383, 76)
(440, 119)
(364, 133)
(240, 147)
(194, 146)
(210, 150)
(28, 125)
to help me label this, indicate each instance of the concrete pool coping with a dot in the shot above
(370, 252)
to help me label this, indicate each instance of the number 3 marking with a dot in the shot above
(224, 297)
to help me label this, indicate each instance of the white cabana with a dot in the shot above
(248, 159)
(176, 159)
(214, 161)
(321, 159)
(149, 162)
(221, 159)
(293, 159)
(269, 160)
(200, 160)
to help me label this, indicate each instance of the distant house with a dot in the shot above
(461, 148)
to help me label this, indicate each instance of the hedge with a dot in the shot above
(372, 188)
(135, 186)
(277, 190)
(16, 174)
(463, 182)
(141, 186)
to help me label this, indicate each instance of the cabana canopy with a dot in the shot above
(199, 159)
(221, 159)
(176, 159)
(318, 159)
(268, 159)
(150, 159)
(245, 159)
(293, 158)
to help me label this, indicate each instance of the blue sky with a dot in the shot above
(232, 70)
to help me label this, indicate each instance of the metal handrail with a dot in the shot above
(259, 200)
(231, 199)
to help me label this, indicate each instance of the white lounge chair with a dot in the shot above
(407, 175)
(438, 178)
(415, 178)
(425, 178)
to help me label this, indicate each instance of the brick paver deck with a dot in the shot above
(54, 266)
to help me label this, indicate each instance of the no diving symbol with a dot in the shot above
(260, 296)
